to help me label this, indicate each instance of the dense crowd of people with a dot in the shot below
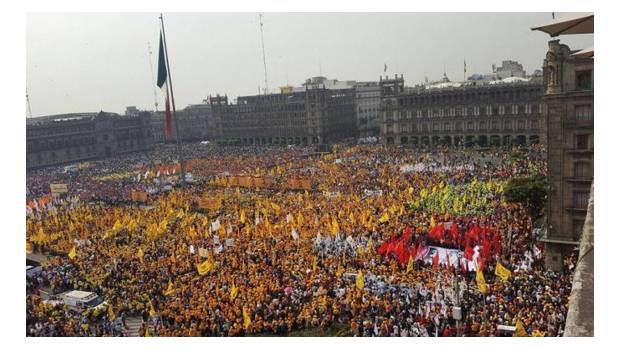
(278, 261)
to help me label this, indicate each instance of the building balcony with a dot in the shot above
(583, 210)
(572, 124)
(580, 151)
(582, 180)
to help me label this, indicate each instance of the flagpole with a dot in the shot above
(174, 110)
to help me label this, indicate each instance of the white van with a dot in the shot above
(81, 300)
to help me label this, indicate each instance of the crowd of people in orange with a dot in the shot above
(279, 261)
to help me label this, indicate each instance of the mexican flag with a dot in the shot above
(162, 82)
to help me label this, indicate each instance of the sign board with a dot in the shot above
(57, 189)
(138, 196)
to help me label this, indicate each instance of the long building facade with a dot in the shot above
(569, 96)
(60, 139)
(463, 114)
(310, 117)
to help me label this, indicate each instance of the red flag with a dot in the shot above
(168, 124)
(403, 256)
(486, 248)
(469, 252)
(454, 232)
(407, 234)
(436, 260)
(383, 248)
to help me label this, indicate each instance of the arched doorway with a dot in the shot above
(483, 141)
(520, 140)
(534, 139)
(495, 141)
(390, 140)
(414, 141)
(507, 140)
(470, 141)
(404, 140)
(458, 141)
(425, 141)
(447, 141)
(436, 141)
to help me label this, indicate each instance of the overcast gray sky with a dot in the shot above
(99, 61)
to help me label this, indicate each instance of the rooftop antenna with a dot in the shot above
(262, 41)
(148, 44)
(552, 15)
(28, 102)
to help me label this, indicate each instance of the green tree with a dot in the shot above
(530, 191)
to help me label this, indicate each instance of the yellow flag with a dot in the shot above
(432, 221)
(247, 321)
(173, 258)
(519, 330)
(111, 315)
(410, 190)
(410, 264)
(384, 218)
(300, 219)
(117, 225)
(242, 216)
(359, 282)
(502, 272)
(152, 312)
(73, 253)
(538, 333)
(335, 226)
(205, 267)
(370, 246)
(314, 264)
(233, 292)
(482, 285)
(360, 251)
(148, 332)
(140, 255)
(339, 271)
(170, 290)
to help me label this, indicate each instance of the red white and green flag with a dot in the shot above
(162, 82)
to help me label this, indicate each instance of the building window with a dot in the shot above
(583, 80)
(501, 110)
(577, 227)
(482, 126)
(580, 199)
(470, 125)
(582, 170)
(495, 125)
(581, 141)
(534, 124)
(507, 124)
(521, 125)
(446, 126)
(583, 115)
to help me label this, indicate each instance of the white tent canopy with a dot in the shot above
(582, 24)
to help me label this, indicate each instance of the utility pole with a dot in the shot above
(28, 102)
(174, 110)
(262, 40)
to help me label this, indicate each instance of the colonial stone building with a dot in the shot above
(368, 106)
(462, 114)
(312, 116)
(569, 96)
(194, 121)
(59, 139)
